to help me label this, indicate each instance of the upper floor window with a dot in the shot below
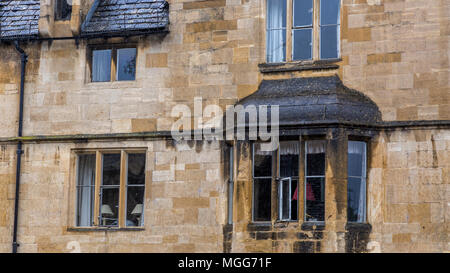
(63, 9)
(302, 30)
(110, 188)
(113, 64)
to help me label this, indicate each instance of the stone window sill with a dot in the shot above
(299, 66)
(362, 227)
(89, 229)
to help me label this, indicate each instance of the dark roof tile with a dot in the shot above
(112, 16)
(19, 19)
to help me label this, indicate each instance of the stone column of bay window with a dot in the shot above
(335, 191)
(242, 208)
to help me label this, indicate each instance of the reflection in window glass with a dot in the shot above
(276, 31)
(135, 189)
(329, 29)
(126, 64)
(85, 190)
(262, 183)
(110, 189)
(315, 181)
(63, 9)
(288, 187)
(101, 65)
(356, 185)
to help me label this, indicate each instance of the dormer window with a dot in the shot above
(63, 10)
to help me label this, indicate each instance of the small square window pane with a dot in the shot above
(329, 39)
(276, 14)
(110, 207)
(315, 199)
(289, 154)
(302, 44)
(101, 65)
(315, 158)
(126, 64)
(303, 13)
(135, 205)
(276, 46)
(356, 199)
(262, 189)
(329, 12)
(136, 169)
(111, 169)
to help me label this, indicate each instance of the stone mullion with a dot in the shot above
(336, 186)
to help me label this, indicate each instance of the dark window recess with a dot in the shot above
(262, 184)
(288, 184)
(315, 181)
(356, 185)
(63, 10)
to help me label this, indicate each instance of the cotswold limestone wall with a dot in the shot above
(184, 200)
(409, 190)
(397, 52)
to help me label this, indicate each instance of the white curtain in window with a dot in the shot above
(101, 65)
(289, 148)
(276, 33)
(359, 147)
(86, 181)
(315, 146)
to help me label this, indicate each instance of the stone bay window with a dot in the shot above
(317, 175)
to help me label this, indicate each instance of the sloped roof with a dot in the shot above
(19, 19)
(126, 16)
(315, 100)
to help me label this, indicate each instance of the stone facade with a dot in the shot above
(394, 51)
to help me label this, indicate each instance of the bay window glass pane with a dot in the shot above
(276, 31)
(101, 65)
(329, 12)
(302, 44)
(329, 40)
(356, 184)
(276, 46)
(126, 64)
(315, 181)
(285, 199)
(262, 162)
(315, 158)
(85, 189)
(303, 13)
(356, 200)
(315, 199)
(262, 189)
